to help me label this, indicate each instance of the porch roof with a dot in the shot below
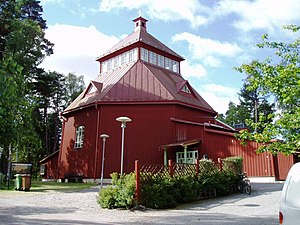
(48, 157)
(182, 143)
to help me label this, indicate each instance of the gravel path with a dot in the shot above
(261, 207)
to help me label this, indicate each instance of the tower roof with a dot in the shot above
(140, 82)
(141, 35)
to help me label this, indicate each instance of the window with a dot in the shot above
(144, 54)
(79, 137)
(109, 65)
(186, 89)
(168, 64)
(175, 66)
(181, 134)
(160, 60)
(132, 55)
(191, 157)
(292, 193)
(152, 57)
(116, 62)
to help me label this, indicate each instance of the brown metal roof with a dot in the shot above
(182, 143)
(144, 37)
(140, 82)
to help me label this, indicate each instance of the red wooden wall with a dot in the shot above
(51, 166)
(152, 126)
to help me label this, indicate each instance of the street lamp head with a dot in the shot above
(123, 119)
(104, 136)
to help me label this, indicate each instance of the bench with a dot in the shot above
(74, 177)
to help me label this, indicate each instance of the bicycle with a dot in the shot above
(244, 184)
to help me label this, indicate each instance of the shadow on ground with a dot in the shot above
(35, 215)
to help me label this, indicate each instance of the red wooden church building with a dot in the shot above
(140, 78)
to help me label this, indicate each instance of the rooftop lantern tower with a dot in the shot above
(140, 24)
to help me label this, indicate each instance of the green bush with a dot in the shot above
(233, 165)
(120, 194)
(107, 197)
(207, 166)
(162, 191)
(185, 189)
(158, 193)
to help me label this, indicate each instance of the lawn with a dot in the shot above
(42, 186)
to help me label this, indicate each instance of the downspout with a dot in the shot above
(61, 144)
(96, 141)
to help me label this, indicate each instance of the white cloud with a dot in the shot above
(43, 2)
(189, 69)
(208, 50)
(251, 14)
(260, 14)
(218, 96)
(76, 49)
(167, 10)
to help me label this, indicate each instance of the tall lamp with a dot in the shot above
(123, 120)
(104, 137)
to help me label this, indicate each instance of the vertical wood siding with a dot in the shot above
(151, 127)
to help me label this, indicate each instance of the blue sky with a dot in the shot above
(213, 36)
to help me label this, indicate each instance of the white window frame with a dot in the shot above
(144, 55)
(191, 157)
(152, 57)
(186, 89)
(160, 60)
(79, 136)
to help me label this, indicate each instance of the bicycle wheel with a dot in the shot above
(247, 189)
(240, 188)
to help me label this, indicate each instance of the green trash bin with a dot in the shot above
(18, 182)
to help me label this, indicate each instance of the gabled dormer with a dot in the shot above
(140, 45)
(185, 88)
(93, 88)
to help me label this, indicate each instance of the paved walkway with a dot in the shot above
(260, 208)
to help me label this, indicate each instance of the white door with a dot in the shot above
(191, 157)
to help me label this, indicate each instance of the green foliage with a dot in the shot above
(233, 165)
(158, 193)
(120, 194)
(277, 76)
(236, 114)
(252, 106)
(207, 166)
(22, 34)
(167, 192)
(186, 189)
(22, 49)
(74, 85)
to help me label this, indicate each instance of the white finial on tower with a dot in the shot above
(140, 13)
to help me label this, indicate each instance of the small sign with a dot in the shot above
(21, 168)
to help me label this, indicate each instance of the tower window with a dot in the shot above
(144, 54)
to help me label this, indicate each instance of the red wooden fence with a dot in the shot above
(173, 170)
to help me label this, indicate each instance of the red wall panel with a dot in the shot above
(78, 160)
(152, 126)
